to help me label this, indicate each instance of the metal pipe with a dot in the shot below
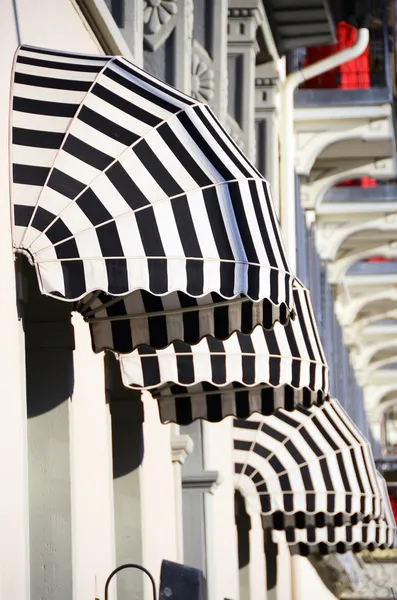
(287, 138)
(131, 566)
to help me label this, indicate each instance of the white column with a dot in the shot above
(285, 583)
(181, 446)
(243, 21)
(91, 471)
(306, 582)
(257, 566)
(14, 541)
(159, 523)
(220, 530)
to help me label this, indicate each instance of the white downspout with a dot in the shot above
(287, 138)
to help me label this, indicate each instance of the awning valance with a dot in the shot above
(141, 318)
(310, 462)
(123, 183)
(241, 375)
(367, 534)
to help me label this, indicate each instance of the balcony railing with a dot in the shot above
(382, 192)
(363, 82)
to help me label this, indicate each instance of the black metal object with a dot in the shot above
(179, 582)
(130, 566)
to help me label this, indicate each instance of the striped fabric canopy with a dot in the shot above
(367, 534)
(122, 324)
(122, 183)
(241, 375)
(309, 462)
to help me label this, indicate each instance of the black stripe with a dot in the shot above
(124, 105)
(109, 241)
(214, 408)
(86, 153)
(36, 139)
(141, 91)
(209, 152)
(239, 208)
(42, 107)
(29, 174)
(127, 187)
(218, 362)
(156, 83)
(157, 326)
(73, 273)
(289, 332)
(185, 364)
(221, 320)
(106, 126)
(186, 228)
(154, 165)
(121, 330)
(150, 366)
(191, 320)
(325, 433)
(302, 323)
(181, 152)
(158, 275)
(93, 208)
(183, 410)
(274, 224)
(273, 433)
(243, 157)
(201, 112)
(43, 218)
(242, 406)
(195, 277)
(22, 214)
(247, 317)
(65, 184)
(248, 358)
(53, 83)
(59, 66)
(216, 221)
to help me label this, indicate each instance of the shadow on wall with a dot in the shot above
(126, 408)
(49, 344)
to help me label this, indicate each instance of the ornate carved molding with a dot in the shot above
(181, 447)
(203, 74)
(206, 481)
(241, 13)
(159, 21)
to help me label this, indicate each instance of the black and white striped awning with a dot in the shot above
(291, 467)
(123, 184)
(141, 318)
(241, 375)
(367, 534)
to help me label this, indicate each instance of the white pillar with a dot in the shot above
(14, 528)
(257, 566)
(159, 522)
(91, 471)
(220, 530)
(181, 446)
(285, 584)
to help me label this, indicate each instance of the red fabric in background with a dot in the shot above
(352, 75)
(393, 506)
(361, 182)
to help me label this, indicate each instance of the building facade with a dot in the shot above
(91, 477)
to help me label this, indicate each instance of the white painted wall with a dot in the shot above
(306, 581)
(257, 567)
(53, 24)
(221, 535)
(159, 521)
(91, 471)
